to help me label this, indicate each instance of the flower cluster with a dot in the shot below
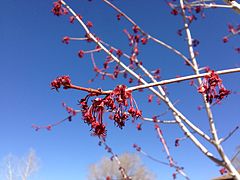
(58, 10)
(209, 87)
(116, 102)
(64, 81)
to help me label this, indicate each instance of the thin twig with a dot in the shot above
(164, 145)
(159, 121)
(178, 168)
(229, 135)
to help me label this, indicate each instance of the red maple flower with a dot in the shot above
(209, 87)
(89, 24)
(135, 29)
(130, 80)
(66, 40)
(119, 16)
(132, 111)
(49, 127)
(81, 53)
(71, 19)
(225, 39)
(156, 126)
(119, 53)
(174, 12)
(179, 32)
(174, 176)
(138, 113)
(198, 9)
(58, 9)
(144, 40)
(139, 126)
(99, 129)
(195, 43)
(237, 50)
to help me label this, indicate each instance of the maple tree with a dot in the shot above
(119, 103)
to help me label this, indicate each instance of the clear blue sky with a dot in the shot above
(32, 55)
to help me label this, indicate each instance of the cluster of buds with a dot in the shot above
(116, 102)
(64, 81)
(209, 87)
(58, 9)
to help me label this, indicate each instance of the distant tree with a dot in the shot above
(8, 167)
(108, 168)
(22, 168)
(28, 165)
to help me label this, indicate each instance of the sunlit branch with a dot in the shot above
(211, 5)
(160, 121)
(163, 82)
(235, 5)
(78, 39)
(184, 78)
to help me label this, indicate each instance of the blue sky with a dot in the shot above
(32, 55)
